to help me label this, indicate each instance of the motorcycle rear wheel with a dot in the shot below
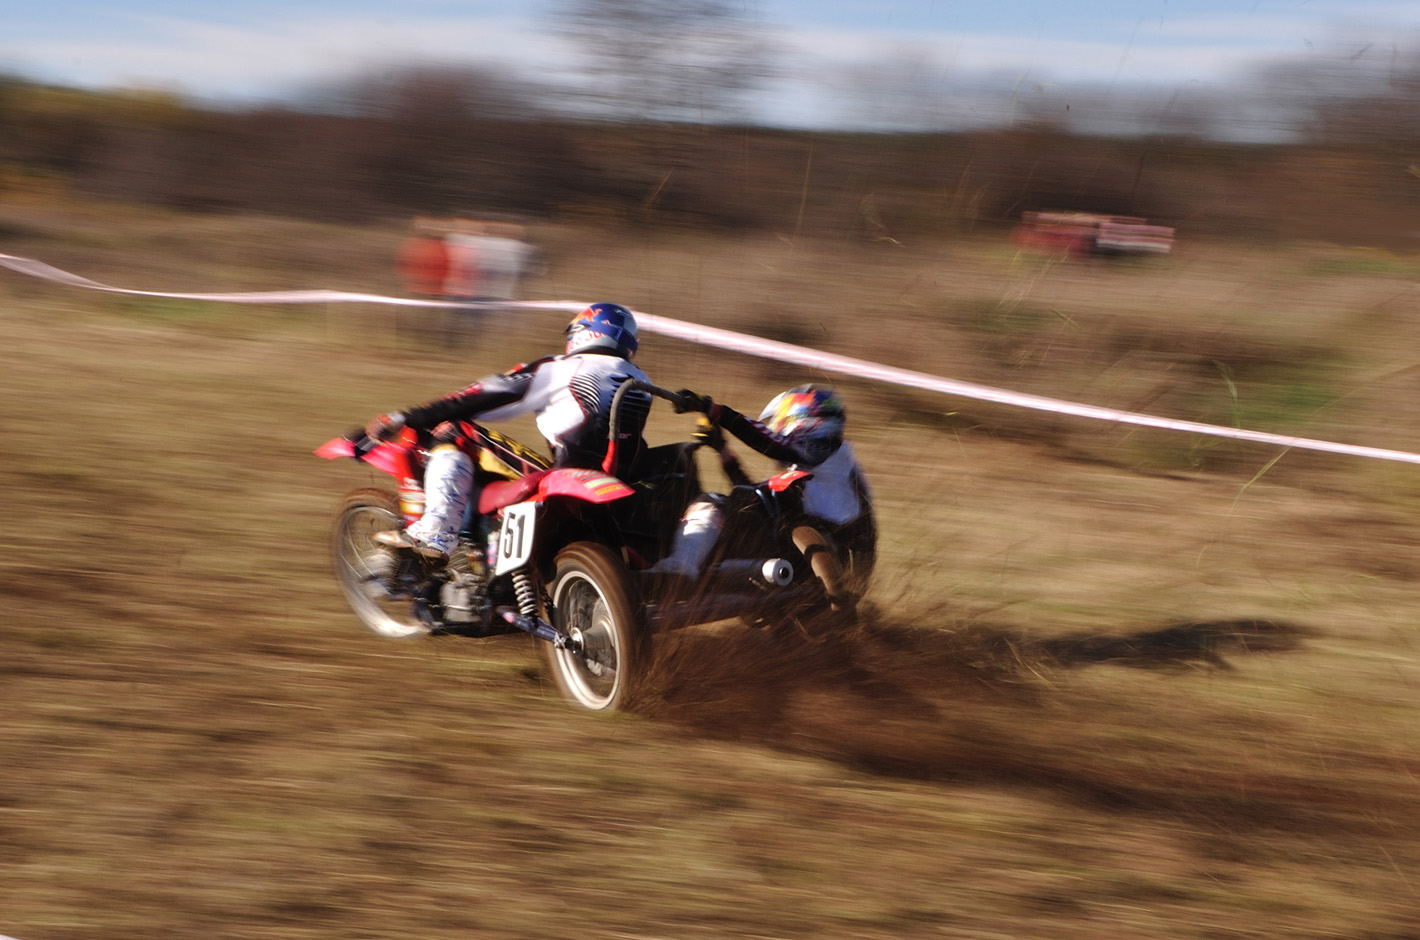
(590, 599)
(363, 567)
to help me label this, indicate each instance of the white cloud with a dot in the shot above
(207, 59)
(272, 56)
(1043, 59)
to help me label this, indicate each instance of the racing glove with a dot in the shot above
(446, 432)
(686, 400)
(708, 433)
(384, 427)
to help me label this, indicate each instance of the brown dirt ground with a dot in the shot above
(1108, 681)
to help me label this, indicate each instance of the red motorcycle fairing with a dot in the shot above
(590, 486)
(394, 459)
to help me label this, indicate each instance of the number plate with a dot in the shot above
(516, 537)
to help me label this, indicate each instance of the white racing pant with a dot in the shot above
(699, 531)
(448, 487)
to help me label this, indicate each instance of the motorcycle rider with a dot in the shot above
(570, 395)
(802, 428)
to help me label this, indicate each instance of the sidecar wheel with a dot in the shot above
(365, 570)
(590, 600)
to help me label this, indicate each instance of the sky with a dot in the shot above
(262, 50)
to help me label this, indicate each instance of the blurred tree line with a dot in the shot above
(463, 140)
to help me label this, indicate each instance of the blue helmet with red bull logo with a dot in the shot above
(605, 328)
(810, 417)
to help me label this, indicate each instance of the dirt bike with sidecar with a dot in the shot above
(562, 554)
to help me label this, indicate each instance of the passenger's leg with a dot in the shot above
(695, 540)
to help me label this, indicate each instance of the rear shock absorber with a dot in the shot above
(526, 592)
(527, 619)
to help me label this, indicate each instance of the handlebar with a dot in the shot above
(614, 419)
(637, 384)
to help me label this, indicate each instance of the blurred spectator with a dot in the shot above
(466, 259)
(462, 281)
(473, 260)
(503, 258)
(423, 261)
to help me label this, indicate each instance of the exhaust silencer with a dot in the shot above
(767, 574)
(776, 572)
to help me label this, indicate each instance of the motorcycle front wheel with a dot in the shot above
(366, 570)
(590, 601)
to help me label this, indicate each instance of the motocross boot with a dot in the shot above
(399, 539)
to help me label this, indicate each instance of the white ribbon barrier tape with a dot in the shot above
(756, 346)
(831, 362)
(49, 273)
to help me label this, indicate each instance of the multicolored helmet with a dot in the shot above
(810, 417)
(603, 327)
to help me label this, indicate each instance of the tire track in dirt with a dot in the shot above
(975, 706)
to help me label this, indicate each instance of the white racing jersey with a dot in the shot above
(570, 397)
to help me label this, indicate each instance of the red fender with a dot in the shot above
(782, 481)
(336, 447)
(502, 493)
(591, 486)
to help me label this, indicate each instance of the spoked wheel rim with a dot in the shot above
(366, 569)
(591, 675)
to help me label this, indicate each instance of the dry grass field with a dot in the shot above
(1112, 682)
